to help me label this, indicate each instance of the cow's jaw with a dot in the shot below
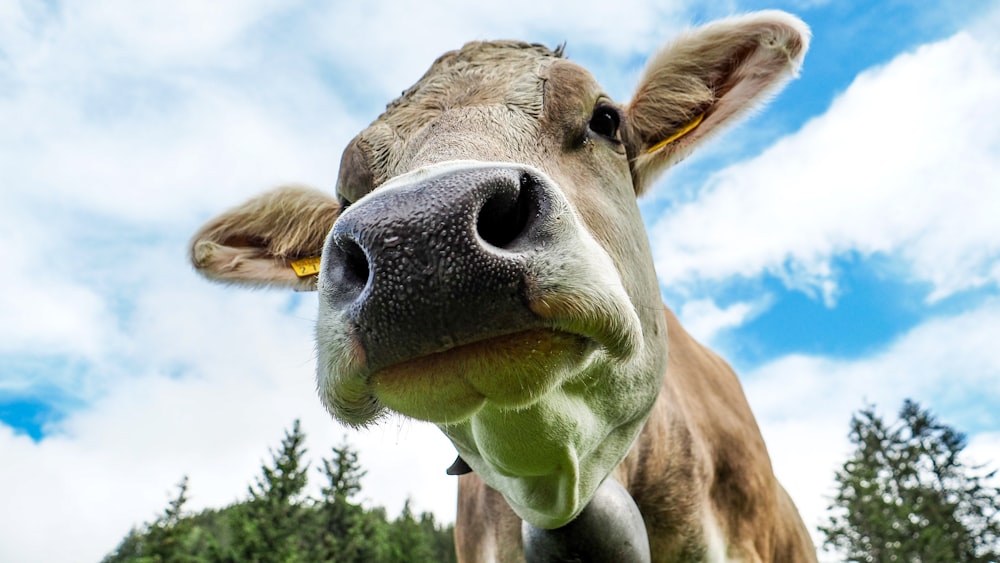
(542, 404)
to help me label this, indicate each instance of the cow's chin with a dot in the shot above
(510, 372)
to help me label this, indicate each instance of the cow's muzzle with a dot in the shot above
(440, 258)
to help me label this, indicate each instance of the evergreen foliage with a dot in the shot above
(904, 495)
(278, 522)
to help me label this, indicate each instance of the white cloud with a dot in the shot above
(413, 38)
(704, 319)
(157, 166)
(43, 314)
(119, 35)
(904, 162)
(107, 113)
(803, 404)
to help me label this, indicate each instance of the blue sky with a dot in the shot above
(840, 246)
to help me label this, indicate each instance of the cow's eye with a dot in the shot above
(605, 122)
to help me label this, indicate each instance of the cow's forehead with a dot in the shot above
(480, 73)
(475, 92)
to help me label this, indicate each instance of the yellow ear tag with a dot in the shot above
(306, 266)
(684, 131)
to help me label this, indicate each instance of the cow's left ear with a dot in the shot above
(273, 240)
(703, 80)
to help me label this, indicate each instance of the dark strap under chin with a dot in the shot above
(459, 467)
(610, 528)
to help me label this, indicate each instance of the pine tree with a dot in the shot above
(343, 472)
(268, 526)
(165, 540)
(442, 539)
(173, 537)
(346, 530)
(905, 495)
(278, 522)
(407, 541)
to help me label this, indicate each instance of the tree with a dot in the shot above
(905, 495)
(268, 526)
(278, 522)
(348, 533)
(166, 536)
(408, 542)
(173, 537)
(442, 538)
(343, 473)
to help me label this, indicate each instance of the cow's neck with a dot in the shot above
(668, 469)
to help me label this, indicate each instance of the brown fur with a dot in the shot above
(253, 244)
(719, 71)
(699, 470)
(502, 75)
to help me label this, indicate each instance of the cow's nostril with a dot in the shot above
(505, 215)
(356, 268)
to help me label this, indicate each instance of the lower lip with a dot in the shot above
(511, 371)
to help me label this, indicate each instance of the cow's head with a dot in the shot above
(484, 265)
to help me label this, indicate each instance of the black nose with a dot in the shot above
(423, 266)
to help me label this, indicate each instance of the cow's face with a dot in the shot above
(489, 271)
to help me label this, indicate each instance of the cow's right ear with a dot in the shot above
(273, 240)
(703, 80)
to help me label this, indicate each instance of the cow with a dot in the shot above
(483, 266)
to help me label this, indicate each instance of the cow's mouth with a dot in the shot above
(510, 371)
